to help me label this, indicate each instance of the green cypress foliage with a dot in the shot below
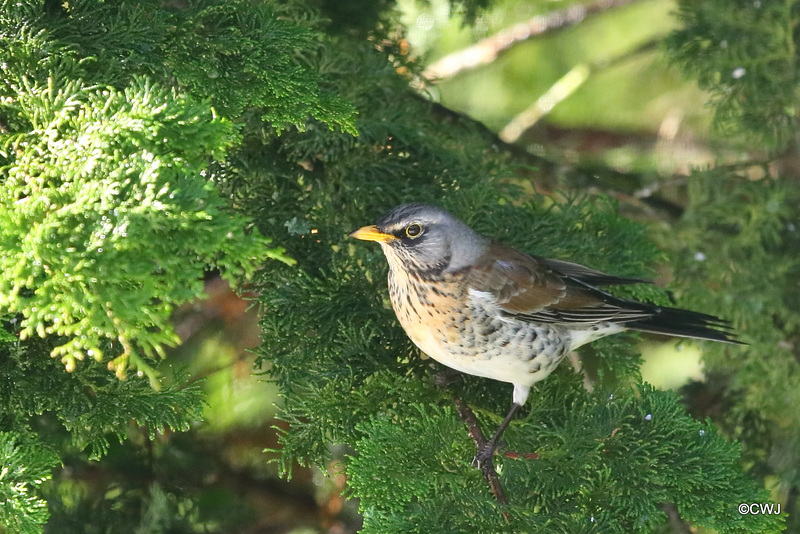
(745, 53)
(599, 455)
(107, 219)
(737, 243)
(112, 115)
(142, 143)
(742, 235)
(26, 464)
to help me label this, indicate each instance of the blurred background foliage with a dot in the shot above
(538, 122)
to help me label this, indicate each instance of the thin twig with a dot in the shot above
(487, 468)
(211, 371)
(524, 455)
(558, 92)
(563, 89)
(548, 172)
(486, 50)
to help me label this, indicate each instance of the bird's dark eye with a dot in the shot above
(413, 230)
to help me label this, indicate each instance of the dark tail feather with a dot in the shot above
(686, 323)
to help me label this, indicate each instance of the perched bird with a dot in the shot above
(486, 309)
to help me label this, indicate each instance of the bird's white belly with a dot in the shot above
(509, 369)
(477, 341)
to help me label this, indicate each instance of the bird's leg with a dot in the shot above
(487, 448)
(446, 377)
(477, 436)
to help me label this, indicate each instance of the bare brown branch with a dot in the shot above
(486, 50)
(487, 468)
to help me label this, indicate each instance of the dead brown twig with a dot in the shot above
(486, 50)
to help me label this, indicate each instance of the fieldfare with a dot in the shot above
(486, 309)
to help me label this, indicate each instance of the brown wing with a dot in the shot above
(534, 289)
(585, 274)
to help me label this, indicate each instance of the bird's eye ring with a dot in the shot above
(413, 230)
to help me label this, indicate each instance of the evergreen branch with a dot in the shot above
(550, 175)
(114, 407)
(747, 59)
(105, 248)
(25, 464)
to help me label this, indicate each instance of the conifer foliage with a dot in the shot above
(104, 208)
(109, 212)
(745, 54)
(142, 143)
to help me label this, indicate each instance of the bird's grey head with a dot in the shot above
(425, 237)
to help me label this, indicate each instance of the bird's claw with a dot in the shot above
(483, 457)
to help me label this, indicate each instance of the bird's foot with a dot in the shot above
(483, 458)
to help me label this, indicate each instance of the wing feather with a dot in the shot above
(538, 290)
(533, 289)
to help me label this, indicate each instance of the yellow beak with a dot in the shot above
(371, 233)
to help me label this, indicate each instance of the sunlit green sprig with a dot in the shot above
(108, 218)
(25, 464)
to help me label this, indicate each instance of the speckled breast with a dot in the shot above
(470, 334)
